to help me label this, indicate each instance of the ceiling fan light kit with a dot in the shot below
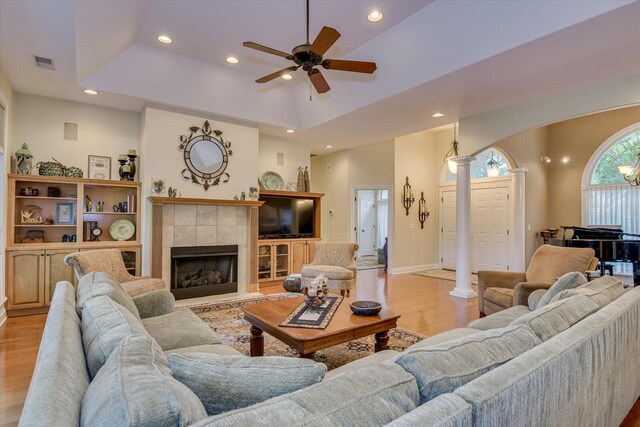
(308, 56)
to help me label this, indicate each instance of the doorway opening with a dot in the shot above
(371, 228)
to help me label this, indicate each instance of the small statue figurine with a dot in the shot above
(49, 220)
(173, 192)
(100, 206)
(87, 204)
(243, 196)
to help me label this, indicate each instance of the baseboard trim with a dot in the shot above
(414, 268)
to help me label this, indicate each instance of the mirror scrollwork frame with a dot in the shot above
(206, 156)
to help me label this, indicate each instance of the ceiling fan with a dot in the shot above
(309, 55)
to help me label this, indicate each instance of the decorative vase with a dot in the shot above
(307, 183)
(132, 166)
(300, 180)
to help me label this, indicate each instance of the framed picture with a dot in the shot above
(64, 213)
(99, 167)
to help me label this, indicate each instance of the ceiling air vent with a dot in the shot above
(45, 63)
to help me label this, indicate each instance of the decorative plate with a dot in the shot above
(122, 229)
(272, 181)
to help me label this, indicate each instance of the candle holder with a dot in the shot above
(407, 196)
(132, 165)
(125, 170)
(423, 212)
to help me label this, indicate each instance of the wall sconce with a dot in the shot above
(423, 212)
(407, 196)
(545, 159)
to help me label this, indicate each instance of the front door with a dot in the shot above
(489, 229)
(366, 225)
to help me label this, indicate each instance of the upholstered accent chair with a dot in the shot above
(337, 262)
(110, 261)
(499, 290)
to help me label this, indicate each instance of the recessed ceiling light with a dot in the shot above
(90, 92)
(164, 39)
(232, 60)
(436, 115)
(565, 159)
(375, 16)
(287, 76)
(329, 146)
(290, 131)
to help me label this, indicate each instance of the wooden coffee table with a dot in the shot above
(344, 327)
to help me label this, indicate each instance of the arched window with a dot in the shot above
(478, 169)
(607, 198)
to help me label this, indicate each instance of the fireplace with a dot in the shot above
(198, 271)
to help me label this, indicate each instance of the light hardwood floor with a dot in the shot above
(423, 302)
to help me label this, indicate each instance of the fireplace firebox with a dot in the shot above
(198, 271)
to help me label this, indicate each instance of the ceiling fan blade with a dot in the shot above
(353, 66)
(266, 49)
(318, 81)
(326, 38)
(275, 75)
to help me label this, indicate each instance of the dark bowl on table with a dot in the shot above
(365, 308)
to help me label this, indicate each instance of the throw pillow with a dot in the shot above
(442, 368)
(601, 291)
(135, 388)
(556, 317)
(105, 323)
(224, 383)
(567, 281)
(97, 283)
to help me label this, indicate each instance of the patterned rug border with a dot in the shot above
(239, 302)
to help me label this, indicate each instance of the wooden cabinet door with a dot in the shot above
(131, 258)
(25, 279)
(265, 261)
(281, 260)
(298, 255)
(311, 251)
(56, 271)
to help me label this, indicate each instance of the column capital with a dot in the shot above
(463, 160)
(518, 171)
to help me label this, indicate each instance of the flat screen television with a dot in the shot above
(285, 217)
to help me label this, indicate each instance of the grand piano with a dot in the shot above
(610, 244)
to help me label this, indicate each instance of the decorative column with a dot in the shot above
(517, 224)
(463, 287)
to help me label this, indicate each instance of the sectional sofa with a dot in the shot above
(572, 361)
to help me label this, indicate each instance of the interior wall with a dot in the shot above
(525, 149)
(415, 248)
(335, 174)
(39, 121)
(578, 138)
(7, 100)
(296, 154)
(162, 158)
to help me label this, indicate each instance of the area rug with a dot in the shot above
(368, 262)
(227, 319)
(445, 274)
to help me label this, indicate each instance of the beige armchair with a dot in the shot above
(499, 290)
(336, 261)
(110, 261)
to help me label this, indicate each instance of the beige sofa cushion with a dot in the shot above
(550, 262)
(330, 272)
(499, 296)
(142, 286)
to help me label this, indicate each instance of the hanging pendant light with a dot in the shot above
(453, 152)
(631, 174)
(493, 169)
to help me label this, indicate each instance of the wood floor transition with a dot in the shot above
(423, 302)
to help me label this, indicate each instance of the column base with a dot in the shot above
(463, 293)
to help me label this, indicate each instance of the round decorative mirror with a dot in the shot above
(205, 155)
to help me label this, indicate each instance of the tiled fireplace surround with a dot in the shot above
(205, 225)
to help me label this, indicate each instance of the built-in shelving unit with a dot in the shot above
(34, 267)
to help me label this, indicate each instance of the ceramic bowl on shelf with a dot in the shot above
(365, 308)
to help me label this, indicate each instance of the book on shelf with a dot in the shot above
(87, 228)
(131, 203)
